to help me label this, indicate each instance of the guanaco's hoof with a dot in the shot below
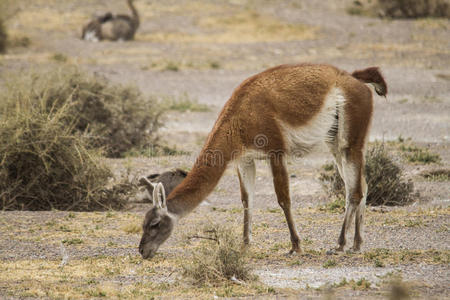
(354, 250)
(294, 251)
(335, 251)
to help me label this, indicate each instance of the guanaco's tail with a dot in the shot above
(373, 76)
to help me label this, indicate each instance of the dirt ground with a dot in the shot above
(204, 49)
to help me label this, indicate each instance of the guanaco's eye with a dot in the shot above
(154, 223)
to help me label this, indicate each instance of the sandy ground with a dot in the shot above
(214, 46)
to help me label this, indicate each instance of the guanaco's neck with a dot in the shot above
(205, 174)
(134, 13)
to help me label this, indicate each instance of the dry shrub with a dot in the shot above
(7, 10)
(44, 165)
(220, 257)
(415, 8)
(115, 118)
(401, 8)
(384, 179)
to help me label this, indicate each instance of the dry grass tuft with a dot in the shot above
(220, 257)
(384, 179)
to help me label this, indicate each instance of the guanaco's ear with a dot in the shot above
(149, 186)
(159, 196)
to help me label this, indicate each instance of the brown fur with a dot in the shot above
(372, 75)
(292, 95)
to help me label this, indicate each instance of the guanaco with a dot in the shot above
(283, 111)
(112, 27)
(169, 179)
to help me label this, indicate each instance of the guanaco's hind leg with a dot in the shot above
(246, 174)
(355, 195)
(347, 146)
(281, 184)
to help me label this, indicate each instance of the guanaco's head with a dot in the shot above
(158, 224)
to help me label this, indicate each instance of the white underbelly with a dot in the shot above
(304, 139)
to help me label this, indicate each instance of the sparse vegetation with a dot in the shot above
(214, 65)
(219, 257)
(59, 57)
(437, 175)
(378, 263)
(337, 205)
(381, 257)
(72, 241)
(384, 178)
(362, 284)
(172, 66)
(443, 76)
(184, 103)
(418, 155)
(413, 223)
(19, 41)
(331, 263)
(342, 283)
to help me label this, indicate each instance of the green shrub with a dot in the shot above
(220, 257)
(384, 179)
(43, 164)
(116, 118)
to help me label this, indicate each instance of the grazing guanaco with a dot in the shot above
(112, 27)
(283, 111)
